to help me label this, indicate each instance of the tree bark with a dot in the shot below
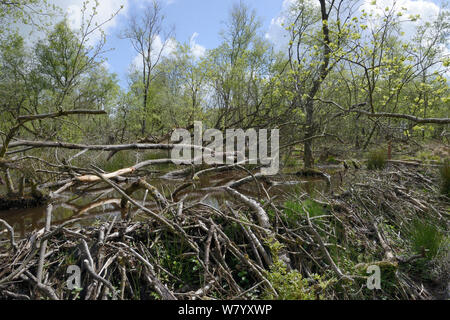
(308, 152)
(324, 70)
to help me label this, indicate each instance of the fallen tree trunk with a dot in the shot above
(103, 147)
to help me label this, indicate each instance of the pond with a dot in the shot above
(100, 202)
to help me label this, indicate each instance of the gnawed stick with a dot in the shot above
(47, 290)
(11, 233)
(324, 249)
(238, 253)
(158, 217)
(9, 183)
(94, 178)
(43, 248)
(88, 262)
(165, 293)
(108, 284)
(389, 255)
(261, 214)
(254, 241)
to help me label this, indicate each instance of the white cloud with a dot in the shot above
(169, 48)
(277, 33)
(276, 30)
(106, 65)
(197, 50)
(287, 4)
(72, 10)
(427, 10)
(105, 9)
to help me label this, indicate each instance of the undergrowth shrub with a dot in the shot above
(427, 156)
(291, 285)
(120, 160)
(376, 159)
(445, 178)
(426, 236)
(294, 210)
(332, 160)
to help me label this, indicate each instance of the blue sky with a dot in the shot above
(202, 18)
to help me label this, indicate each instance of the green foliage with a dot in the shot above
(291, 285)
(426, 236)
(376, 159)
(119, 161)
(58, 73)
(60, 54)
(295, 211)
(295, 208)
(314, 209)
(332, 160)
(292, 211)
(445, 178)
(170, 254)
(425, 155)
(292, 162)
(34, 13)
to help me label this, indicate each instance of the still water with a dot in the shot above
(99, 203)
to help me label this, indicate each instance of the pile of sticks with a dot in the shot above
(193, 250)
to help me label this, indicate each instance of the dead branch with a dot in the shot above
(387, 114)
(11, 233)
(61, 113)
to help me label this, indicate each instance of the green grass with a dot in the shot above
(158, 154)
(376, 159)
(170, 254)
(332, 160)
(426, 156)
(314, 209)
(295, 210)
(125, 159)
(426, 236)
(120, 160)
(445, 178)
(292, 210)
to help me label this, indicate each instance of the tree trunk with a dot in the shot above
(324, 70)
(308, 153)
(144, 111)
(370, 136)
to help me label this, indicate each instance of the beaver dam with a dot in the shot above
(104, 202)
(233, 234)
(302, 160)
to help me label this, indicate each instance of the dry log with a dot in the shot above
(11, 233)
(261, 214)
(94, 178)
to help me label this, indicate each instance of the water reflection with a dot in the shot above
(100, 202)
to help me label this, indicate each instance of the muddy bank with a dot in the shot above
(11, 203)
